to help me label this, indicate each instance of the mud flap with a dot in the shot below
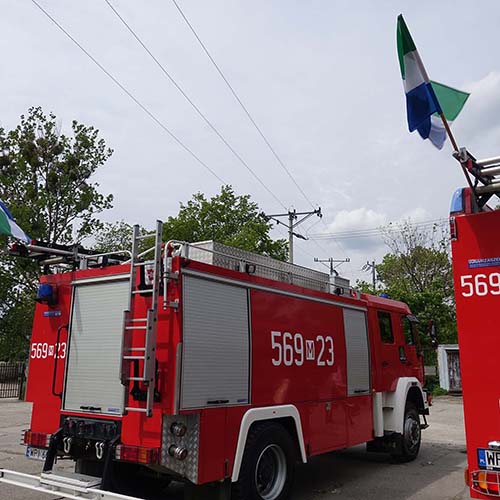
(55, 441)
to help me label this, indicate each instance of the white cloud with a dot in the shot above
(359, 218)
(479, 122)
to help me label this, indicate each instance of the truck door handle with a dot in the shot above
(385, 363)
(54, 375)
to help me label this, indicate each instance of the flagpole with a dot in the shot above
(448, 131)
(443, 119)
(455, 147)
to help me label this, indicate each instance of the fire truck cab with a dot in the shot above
(212, 365)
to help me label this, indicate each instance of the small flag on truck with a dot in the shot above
(8, 225)
(430, 106)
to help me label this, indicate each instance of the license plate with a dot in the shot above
(488, 459)
(36, 453)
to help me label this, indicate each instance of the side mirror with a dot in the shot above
(433, 334)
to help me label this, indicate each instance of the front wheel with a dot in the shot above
(268, 464)
(411, 438)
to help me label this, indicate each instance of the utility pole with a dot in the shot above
(370, 266)
(293, 222)
(333, 261)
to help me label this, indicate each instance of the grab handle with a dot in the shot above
(54, 375)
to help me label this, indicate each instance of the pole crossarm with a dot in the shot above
(332, 263)
(293, 222)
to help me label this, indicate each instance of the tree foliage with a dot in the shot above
(418, 271)
(226, 217)
(45, 177)
(113, 236)
(45, 180)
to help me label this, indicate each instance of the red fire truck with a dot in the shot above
(213, 366)
(476, 269)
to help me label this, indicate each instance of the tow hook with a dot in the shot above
(99, 450)
(67, 441)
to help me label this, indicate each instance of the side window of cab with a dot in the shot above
(408, 330)
(385, 327)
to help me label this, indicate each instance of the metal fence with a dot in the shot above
(12, 379)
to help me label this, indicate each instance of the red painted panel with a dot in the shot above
(213, 463)
(46, 406)
(325, 426)
(477, 292)
(303, 379)
(359, 419)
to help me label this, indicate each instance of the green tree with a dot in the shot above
(45, 180)
(44, 177)
(114, 236)
(226, 217)
(418, 271)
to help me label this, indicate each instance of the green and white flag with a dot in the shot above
(9, 227)
(426, 100)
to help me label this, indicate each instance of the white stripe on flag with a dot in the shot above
(17, 232)
(413, 74)
(437, 135)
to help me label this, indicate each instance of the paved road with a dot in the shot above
(351, 474)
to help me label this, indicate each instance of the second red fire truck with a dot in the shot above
(211, 365)
(476, 268)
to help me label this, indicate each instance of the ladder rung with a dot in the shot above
(137, 320)
(140, 410)
(134, 357)
(136, 328)
(142, 349)
(138, 379)
(142, 291)
(144, 236)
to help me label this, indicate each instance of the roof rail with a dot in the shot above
(53, 254)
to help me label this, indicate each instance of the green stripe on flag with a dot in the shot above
(451, 100)
(4, 224)
(404, 42)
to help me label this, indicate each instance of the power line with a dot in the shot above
(193, 104)
(240, 102)
(375, 231)
(129, 94)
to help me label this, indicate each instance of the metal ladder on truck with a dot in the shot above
(486, 175)
(132, 326)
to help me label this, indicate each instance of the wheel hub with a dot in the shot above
(412, 433)
(270, 472)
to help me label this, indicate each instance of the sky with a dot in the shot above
(321, 78)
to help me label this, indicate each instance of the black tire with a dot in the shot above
(267, 468)
(409, 442)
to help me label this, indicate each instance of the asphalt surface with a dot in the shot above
(437, 473)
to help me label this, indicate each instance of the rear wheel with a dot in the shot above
(268, 464)
(411, 438)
